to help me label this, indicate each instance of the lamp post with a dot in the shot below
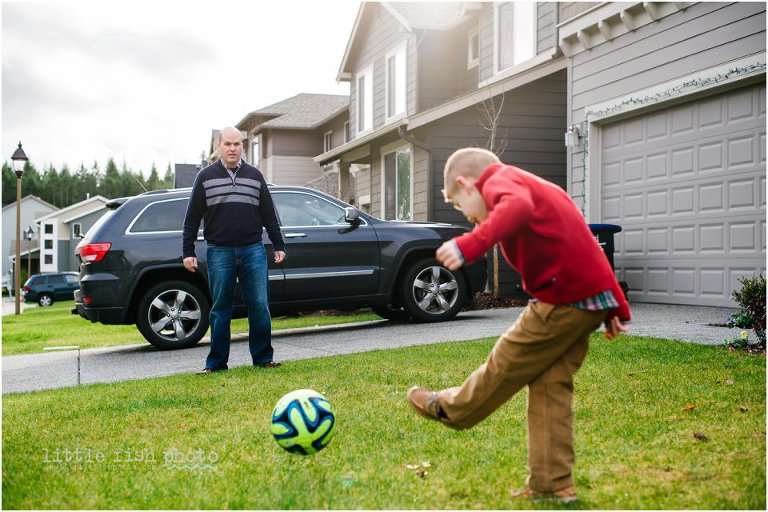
(29, 233)
(19, 158)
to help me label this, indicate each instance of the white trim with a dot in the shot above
(72, 230)
(496, 33)
(398, 145)
(671, 92)
(81, 215)
(367, 73)
(53, 251)
(328, 134)
(401, 50)
(473, 62)
(538, 60)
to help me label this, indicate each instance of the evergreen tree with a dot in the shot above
(168, 179)
(110, 187)
(153, 183)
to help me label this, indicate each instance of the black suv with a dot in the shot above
(47, 288)
(337, 257)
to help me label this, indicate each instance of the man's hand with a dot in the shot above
(614, 327)
(279, 256)
(190, 263)
(450, 256)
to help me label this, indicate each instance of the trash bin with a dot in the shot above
(604, 235)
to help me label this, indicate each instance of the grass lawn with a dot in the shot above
(659, 425)
(36, 328)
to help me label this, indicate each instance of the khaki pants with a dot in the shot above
(543, 350)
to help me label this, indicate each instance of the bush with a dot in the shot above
(751, 298)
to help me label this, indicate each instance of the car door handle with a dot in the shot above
(295, 235)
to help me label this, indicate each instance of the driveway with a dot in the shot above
(59, 369)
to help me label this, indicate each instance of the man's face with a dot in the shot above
(230, 148)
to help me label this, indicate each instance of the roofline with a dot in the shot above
(32, 196)
(70, 207)
(343, 76)
(80, 215)
(335, 153)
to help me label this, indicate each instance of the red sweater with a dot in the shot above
(543, 236)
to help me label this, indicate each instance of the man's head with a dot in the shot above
(230, 146)
(462, 170)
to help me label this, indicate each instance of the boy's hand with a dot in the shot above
(614, 327)
(450, 256)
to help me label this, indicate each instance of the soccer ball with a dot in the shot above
(302, 422)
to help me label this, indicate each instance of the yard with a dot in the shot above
(659, 425)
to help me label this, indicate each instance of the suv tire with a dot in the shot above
(45, 300)
(173, 314)
(431, 292)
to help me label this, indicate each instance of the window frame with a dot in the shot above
(367, 107)
(79, 229)
(516, 6)
(129, 230)
(473, 61)
(395, 147)
(327, 141)
(400, 84)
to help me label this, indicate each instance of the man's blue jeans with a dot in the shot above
(248, 263)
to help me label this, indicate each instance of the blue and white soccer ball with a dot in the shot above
(303, 421)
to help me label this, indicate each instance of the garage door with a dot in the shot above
(688, 186)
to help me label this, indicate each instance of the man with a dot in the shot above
(233, 200)
(545, 238)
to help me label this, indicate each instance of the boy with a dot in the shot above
(544, 237)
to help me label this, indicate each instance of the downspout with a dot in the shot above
(407, 138)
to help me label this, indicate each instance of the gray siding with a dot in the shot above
(546, 29)
(570, 9)
(702, 36)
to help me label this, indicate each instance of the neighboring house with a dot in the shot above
(282, 139)
(664, 104)
(32, 209)
(184, 174)
(670, 100)
(60, 232)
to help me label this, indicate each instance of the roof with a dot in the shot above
(69, 208)
(303, 111)
(30, 197)
(412, 16)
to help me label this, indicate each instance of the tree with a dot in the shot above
(168, 180)
(110, 185)
(153, 183)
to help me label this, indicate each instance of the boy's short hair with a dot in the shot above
(469, 162)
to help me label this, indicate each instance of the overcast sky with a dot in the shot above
(145, 82)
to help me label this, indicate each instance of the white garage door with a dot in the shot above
(687, 184)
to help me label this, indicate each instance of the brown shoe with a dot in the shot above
(269, 364)
(426, 403)
(565, 496)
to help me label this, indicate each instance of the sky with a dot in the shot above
(146, 82)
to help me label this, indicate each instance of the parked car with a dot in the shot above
(45, 289)
(338, 257)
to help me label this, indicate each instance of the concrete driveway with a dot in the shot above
(59, 369)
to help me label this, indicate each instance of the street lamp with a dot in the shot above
(29, 233)
(19, 158)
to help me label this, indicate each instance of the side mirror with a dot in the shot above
(352, 216)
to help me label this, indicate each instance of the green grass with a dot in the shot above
(635, 441)
(37, 328)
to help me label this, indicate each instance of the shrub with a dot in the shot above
(751, 298)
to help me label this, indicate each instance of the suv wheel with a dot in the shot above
(173, 314)
(431, 292)
(44, 300)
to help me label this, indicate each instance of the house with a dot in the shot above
(184, 174)
(282, 139)
(32, 209)
(59, 233)
(662, 106)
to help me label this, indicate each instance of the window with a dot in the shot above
(515, 34)
(71, 278)
(57, 279)
(48, 244)
(327, 141)
(397, 185)
(163, 216)
(473, 50)
(299, 209)
(346, 132)
(77, 230)
(49, 259)
(396, 82)
(365, 100)
(255, 151)
(49, 229)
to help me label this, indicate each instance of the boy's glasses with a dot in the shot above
(450, 200)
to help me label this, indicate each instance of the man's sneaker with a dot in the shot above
(206, 371)
(565, 496)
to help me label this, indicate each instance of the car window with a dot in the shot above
(161, 216)
(36, 280)
(57, 279)
(70, 278)
(302, 209)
